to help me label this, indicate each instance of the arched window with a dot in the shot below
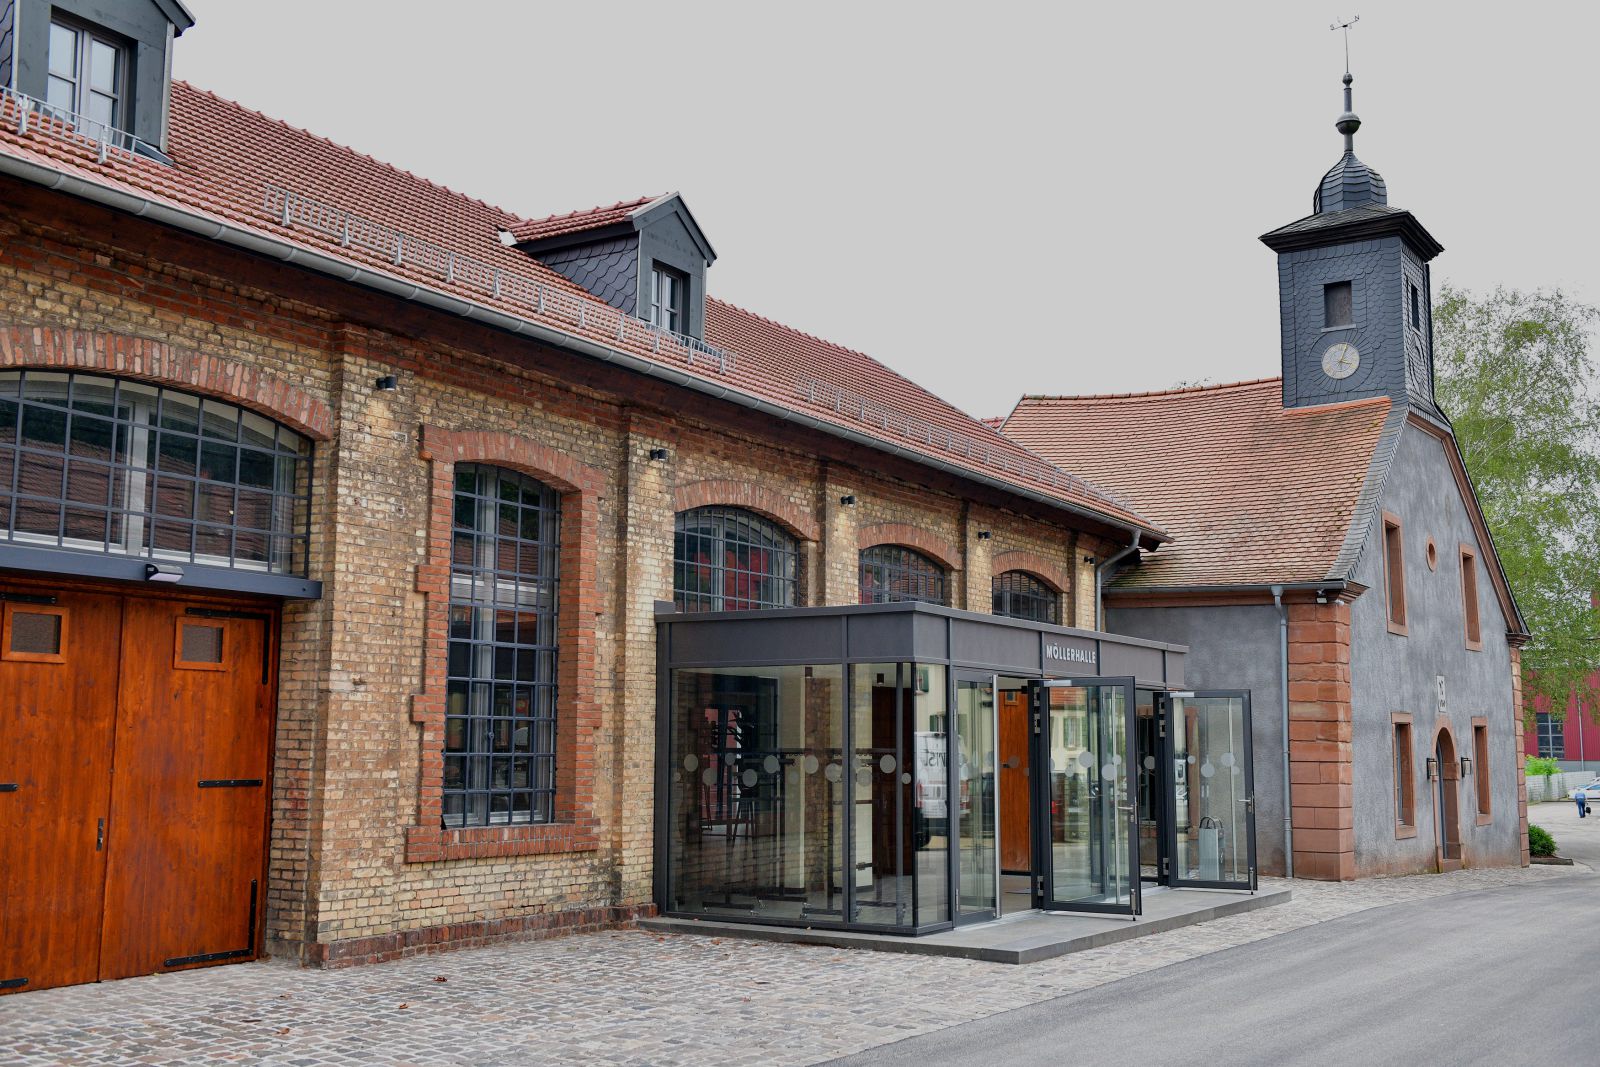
(500, 713)
(728, 559)
(106, 465)
(891, 573)
(1019, 595)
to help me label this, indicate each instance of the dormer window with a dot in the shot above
(1338, 306)
(88, 74)
(667, 288)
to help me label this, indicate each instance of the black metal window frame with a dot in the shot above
(96, 463)
(501, 679)
(1552, 736)
(892, 574)
(1021, 595)
(731, 559)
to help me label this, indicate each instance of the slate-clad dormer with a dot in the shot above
(1355, 290)
(108, 61)
(647, 257)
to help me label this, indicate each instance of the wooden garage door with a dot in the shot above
(58, 703)
(139, 818)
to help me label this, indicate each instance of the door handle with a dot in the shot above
(99, 834)
(8, 787)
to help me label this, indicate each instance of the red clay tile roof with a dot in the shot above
(1253, 493)
(578, 221)
(233, 165)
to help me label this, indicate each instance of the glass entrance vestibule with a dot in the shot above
(906, 767)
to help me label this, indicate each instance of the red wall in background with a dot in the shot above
(1580, 732)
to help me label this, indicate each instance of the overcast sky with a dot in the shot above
(992, 198)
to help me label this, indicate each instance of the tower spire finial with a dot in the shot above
(1348, 122)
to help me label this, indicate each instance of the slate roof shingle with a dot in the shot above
(225, 156)
(1253, 493)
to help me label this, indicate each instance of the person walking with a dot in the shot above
(1581, 796)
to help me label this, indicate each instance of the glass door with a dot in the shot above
(1085, 816)
(977, 840)
(1211, 831)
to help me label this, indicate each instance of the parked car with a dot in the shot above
(1591, 790)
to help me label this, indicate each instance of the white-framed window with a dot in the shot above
(1552, 736)
(667, 289)
(88, 73)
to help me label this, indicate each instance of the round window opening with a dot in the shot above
(1433, 555)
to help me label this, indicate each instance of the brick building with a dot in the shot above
(347, 502)
(383, 570)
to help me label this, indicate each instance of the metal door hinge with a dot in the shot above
(1038, 885)
(1166, 866)
(1038, 724)
(99, 834)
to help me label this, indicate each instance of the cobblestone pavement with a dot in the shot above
(618, 998)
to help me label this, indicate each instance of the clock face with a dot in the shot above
(1340, 360)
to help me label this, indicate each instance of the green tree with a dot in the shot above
(1516, 377)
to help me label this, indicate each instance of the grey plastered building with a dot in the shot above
(1330, 557)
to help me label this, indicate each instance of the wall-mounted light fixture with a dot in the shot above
(848, 500)
(1089, 560)
(1466, 767)
(158, 572)
(387, 384)
(1433, 769)
(657, 455)
(984, 535)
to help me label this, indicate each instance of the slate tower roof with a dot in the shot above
(1349, 183)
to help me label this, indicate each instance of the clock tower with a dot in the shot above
(1354, 290)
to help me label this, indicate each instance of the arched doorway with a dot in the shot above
(1446, 791)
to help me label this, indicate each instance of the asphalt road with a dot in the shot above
(1576, 838)
(1469, 978)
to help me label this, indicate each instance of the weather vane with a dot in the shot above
(1345, 26)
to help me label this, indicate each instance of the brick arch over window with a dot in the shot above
(576, 826)
(1048, 572)
(900, 533)
(752, 497)
(141, 359)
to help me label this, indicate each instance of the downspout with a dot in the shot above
(1099, 581)
(1283, 693)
